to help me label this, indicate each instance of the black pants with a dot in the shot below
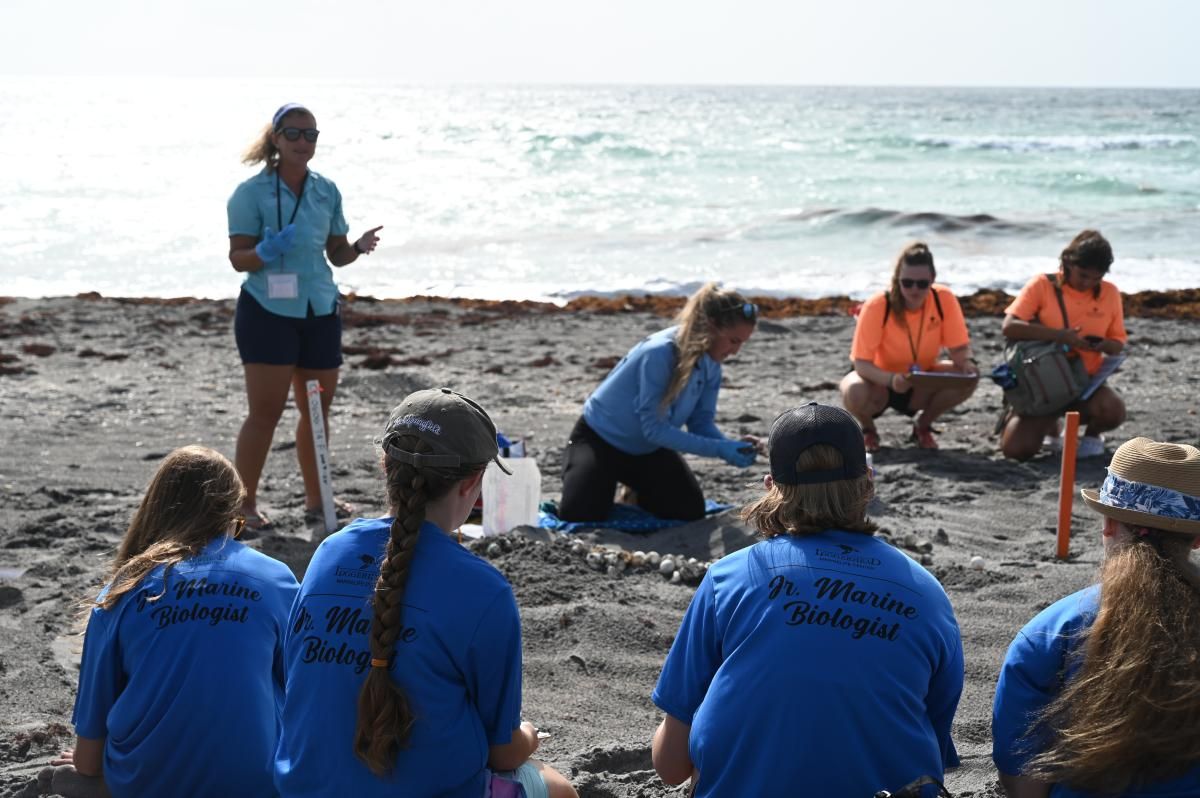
(664, 484)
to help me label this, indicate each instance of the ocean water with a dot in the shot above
(118, 185)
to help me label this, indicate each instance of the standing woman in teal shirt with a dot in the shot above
(283, 224)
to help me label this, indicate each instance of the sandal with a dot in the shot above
(256, 521)
(923, 437)
(341, 509)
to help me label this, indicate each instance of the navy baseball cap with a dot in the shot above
(808, 425)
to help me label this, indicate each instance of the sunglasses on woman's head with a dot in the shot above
(910, 283)
(294, 133)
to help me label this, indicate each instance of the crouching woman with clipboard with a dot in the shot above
(1082, 311)
(900, 335)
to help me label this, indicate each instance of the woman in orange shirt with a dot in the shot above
(906, 328)
(1095, 327)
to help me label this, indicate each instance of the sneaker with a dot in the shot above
(871, 440)
(1090, 446)
(923, 437)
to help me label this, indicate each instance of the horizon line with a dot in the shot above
(160, 77)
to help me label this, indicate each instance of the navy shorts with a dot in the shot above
(264, 337)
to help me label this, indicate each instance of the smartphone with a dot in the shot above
(1093, 340)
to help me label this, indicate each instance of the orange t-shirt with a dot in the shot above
(891, 346)
(1101, 316)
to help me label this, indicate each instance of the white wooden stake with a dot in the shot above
(317, 423)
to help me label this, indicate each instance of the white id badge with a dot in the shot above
(283, 285)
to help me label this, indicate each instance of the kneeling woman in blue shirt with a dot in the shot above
(820, 661)
(631, 428)
(182, 671)
(404, 649)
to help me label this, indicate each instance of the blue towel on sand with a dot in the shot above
(626, 517)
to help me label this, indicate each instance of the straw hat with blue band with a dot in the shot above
(454, 426)
(1151, 484)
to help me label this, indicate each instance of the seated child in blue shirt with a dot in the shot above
(404, 649)
(181, 677)
(820, 661)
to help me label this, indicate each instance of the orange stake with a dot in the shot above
(1066, 485)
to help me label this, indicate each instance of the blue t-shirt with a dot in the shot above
(252, 209)
(1037, 665)
(458, 660)
(822, 665)
(626, 409)
(186, 689)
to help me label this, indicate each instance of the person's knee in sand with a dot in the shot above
(914, 325)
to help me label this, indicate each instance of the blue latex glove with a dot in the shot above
(737, 453)
(273, 244)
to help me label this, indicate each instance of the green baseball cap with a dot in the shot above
(458, 430)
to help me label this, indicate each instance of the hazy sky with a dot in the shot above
(872, 42)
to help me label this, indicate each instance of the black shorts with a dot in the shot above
(314, 342)
(896, 401)
(899, 403)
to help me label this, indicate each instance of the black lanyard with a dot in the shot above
(279, 203)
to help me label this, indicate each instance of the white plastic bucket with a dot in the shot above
(511, 501)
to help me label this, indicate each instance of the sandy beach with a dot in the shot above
(94, 391)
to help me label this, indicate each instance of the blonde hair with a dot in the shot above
(262, 149)
(808, 509)
(706, 311)
(1123, 719)
(915, 253)
(193, 498)
(385, 718)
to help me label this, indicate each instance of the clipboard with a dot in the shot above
(940, 380)
(1107, 368)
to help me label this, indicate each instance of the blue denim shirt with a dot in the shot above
(252, 209)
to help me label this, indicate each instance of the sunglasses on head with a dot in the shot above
(910, 283)
(294, 133)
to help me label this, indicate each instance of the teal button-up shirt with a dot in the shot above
(252, 209)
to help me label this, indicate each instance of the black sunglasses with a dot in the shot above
(294, 133)
(910, 283)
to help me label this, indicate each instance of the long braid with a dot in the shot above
(385, 718)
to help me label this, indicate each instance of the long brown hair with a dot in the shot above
(385, 718)
(262, 149)
(808, 509)
(193, 498)
(706, 311)
(1088, 250)
(915, 253)
(1130, 713)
